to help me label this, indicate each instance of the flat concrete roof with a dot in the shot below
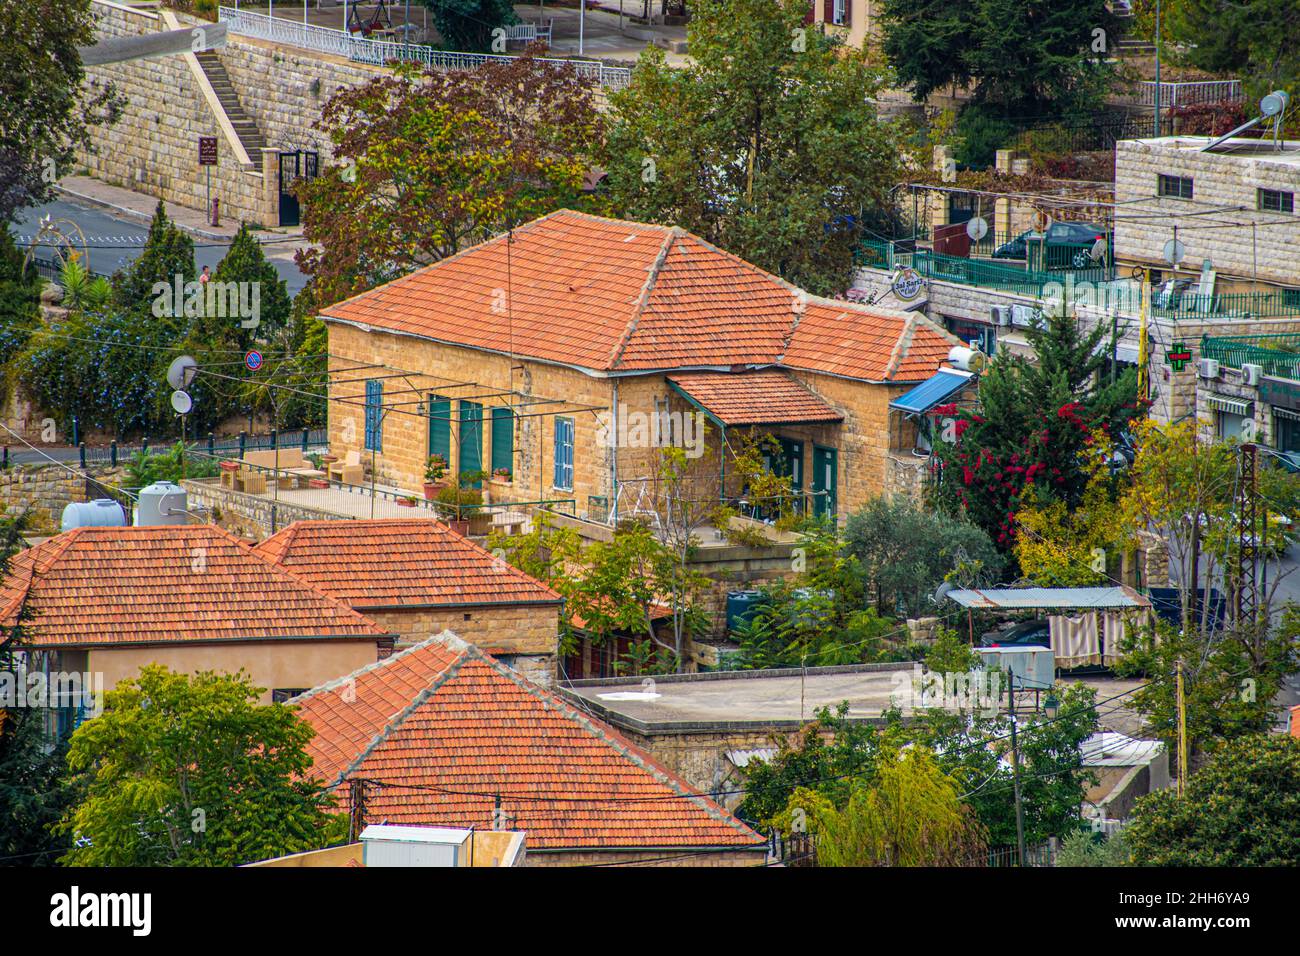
(740, 700)
(1239, 147)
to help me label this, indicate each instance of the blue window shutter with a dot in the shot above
(471, 438)
(440, 428)
(374, 418)
(564, 453)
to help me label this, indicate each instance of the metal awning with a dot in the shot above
(1286, 413)
(935, 390)
(1020, 599)
(1233, 406)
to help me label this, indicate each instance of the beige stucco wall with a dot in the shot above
(271, 664)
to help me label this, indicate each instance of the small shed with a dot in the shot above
(1086, 624)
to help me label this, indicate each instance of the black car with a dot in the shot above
(1036, 633)
(1068, 244)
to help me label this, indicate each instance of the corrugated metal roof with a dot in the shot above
(743, 758)
(933, 391)
(1010, 599)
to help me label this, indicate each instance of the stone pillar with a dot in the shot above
(268, 206)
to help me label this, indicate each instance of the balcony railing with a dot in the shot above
(380, 52)
(1279, 355)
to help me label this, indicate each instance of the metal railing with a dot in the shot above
(381, 52)
(1279, 355)
(1189, 93)
(1225, 306)
(990, 274)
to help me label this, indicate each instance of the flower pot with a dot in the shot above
(317, 483)
(406, 502)
(459, 525)
(431, 489)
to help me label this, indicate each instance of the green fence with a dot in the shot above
(1278, 354)
(1229, 305)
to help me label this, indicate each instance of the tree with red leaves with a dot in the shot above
(1035, 421)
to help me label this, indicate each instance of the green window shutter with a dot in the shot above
(471, 438)
(503, 439)
(440, 428)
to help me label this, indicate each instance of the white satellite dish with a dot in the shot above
(977, 228)
(181, 403)
(941, 592)
(1174, 252)
(181, 372)
(1098, 251)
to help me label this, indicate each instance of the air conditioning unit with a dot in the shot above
(1209, 368)
(1000, 315)
(1023, 315)
(1250, 374)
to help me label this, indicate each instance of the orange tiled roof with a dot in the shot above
(767, 397)
(441, 730)
(181, 583)
(407, 562)
(611, 295)
(840, 338)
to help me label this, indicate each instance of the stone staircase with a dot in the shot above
(245, 128)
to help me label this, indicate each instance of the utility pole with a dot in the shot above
(1015, 772)
(1157, 100)
(1182, 733)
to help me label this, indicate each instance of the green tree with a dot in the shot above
(765, 145)
(905, 551)
(1022, 57)
(20, 298)
(428, 164)
(1083, 848)
(1241, 809)
(46, 104)
(1034, 430)
(167, 253)
(469, 24)
(1256, 41)
(185, 770)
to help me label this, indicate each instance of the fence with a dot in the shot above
(53, 270)
(1099, 133)
(1279, 355)
(115, 453)
(380, 52)
(1228, 305)
(1183, 94)
(989, 274)
(1003, 856)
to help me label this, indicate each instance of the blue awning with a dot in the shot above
(934, 391)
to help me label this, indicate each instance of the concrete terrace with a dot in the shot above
(741, 700)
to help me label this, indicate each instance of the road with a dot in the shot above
(115, 242)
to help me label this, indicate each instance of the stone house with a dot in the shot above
(567, 354)
(441, 734)
(416, 578)
(107, 601)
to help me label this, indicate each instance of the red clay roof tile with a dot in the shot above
(611, 295)
(180, 583)
(766, 397)
(410, 562)
(440, 731)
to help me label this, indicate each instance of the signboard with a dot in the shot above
(207, 151)
(1280, 393)
(1178, 356)
(907, 284)
(253, 360)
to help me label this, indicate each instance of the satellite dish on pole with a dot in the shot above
(941, 592)
(181, 403)
(181, 372)
(1174, 252)
(1098, 251)
(977, 228)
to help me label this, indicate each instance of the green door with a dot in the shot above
(503, 439)
(471, 439)
(825, 480)
(440, 428)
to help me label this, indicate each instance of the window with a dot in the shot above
(440, 428)
(471, 439)
(374, 415)
(840, 12)
(564, 454)
(282, 694)
(503, 439)
(1177, 187)
(1230, 425)
(1274, 200)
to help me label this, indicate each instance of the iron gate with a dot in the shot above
(299, 164)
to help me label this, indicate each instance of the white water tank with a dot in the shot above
(161, 503)
(100, 513)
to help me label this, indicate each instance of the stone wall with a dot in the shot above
(1220, 180)
(153, 147)
(48, 489)
(249, 515)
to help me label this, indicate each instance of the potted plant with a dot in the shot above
(501, 476)
(407, 502)
(435, 471)
(460, 506)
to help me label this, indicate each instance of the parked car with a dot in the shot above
(1068, 244)
(1035, 633)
